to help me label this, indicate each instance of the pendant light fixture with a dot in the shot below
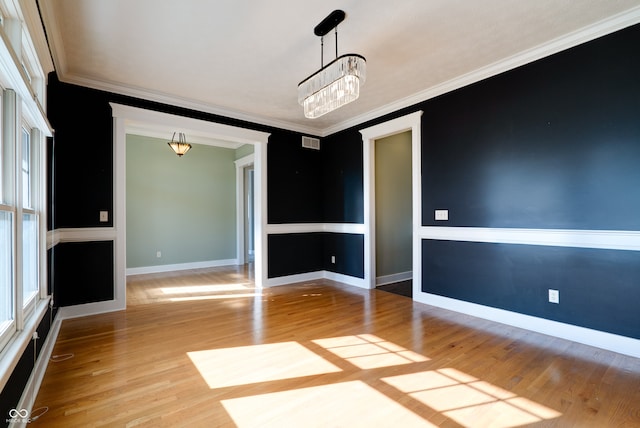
(181, 146)
(337, 83)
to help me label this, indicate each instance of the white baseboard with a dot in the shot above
(396, 277)
(346, 279)
(314, 276)
(86, 309)
(180, 266)
(599, 339)
(290, 279)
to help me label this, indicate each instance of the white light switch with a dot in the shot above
(442, 214)
(104, 216)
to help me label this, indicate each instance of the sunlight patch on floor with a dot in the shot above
(455, 395)
(468, 400)
(258, 363)
(211, 288)
(345, 404)
(367, 351)
(213, 297)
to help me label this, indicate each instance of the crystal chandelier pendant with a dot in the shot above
(333, 86)
(337, 83)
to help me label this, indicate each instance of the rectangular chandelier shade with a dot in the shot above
(334, 85)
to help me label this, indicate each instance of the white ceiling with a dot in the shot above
(245, 58)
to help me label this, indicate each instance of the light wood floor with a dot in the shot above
(205, 349)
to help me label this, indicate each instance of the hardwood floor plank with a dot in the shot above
(205, 348)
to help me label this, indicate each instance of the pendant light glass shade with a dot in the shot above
(336, 84)
(181, 146)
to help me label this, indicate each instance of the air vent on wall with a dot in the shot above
(311, 143)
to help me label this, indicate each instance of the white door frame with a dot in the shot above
(410, 122)
(125, 117)
(241, 164)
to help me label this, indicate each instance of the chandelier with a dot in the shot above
(337, 83)
(181, 146)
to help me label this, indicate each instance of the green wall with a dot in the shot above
(183, 207)
(393, 204)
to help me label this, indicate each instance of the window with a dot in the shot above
(21, 202)
(7, 318)
(23, 129)
(26, 169)
(7, 213)
(29, 224)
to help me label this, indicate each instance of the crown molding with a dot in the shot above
(567, 41)
(184, 103)
(583, 35)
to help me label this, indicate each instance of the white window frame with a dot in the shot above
(24, 65)
(31, 207)
(7, 205)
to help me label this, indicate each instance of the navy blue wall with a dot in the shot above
(342, 178)
(293, 181)
(553, 144)
(348, 250)
(599, 289)
(295, 253)
(84, 272)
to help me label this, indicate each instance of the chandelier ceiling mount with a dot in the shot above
(337, 83)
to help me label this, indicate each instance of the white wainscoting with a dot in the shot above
(599, 239)
(602, 239)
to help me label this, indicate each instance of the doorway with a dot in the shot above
(393, 199)
(411, 123)
(128, 117)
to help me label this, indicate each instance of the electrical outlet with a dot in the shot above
(104, 216)
(333, 259)
(554, 296)
(442, 215)
(158, 254)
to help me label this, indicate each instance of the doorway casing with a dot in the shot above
(241, 207)
(410, 122)
(125, 117)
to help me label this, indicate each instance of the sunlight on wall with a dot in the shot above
(443, 394)
(259, 363)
